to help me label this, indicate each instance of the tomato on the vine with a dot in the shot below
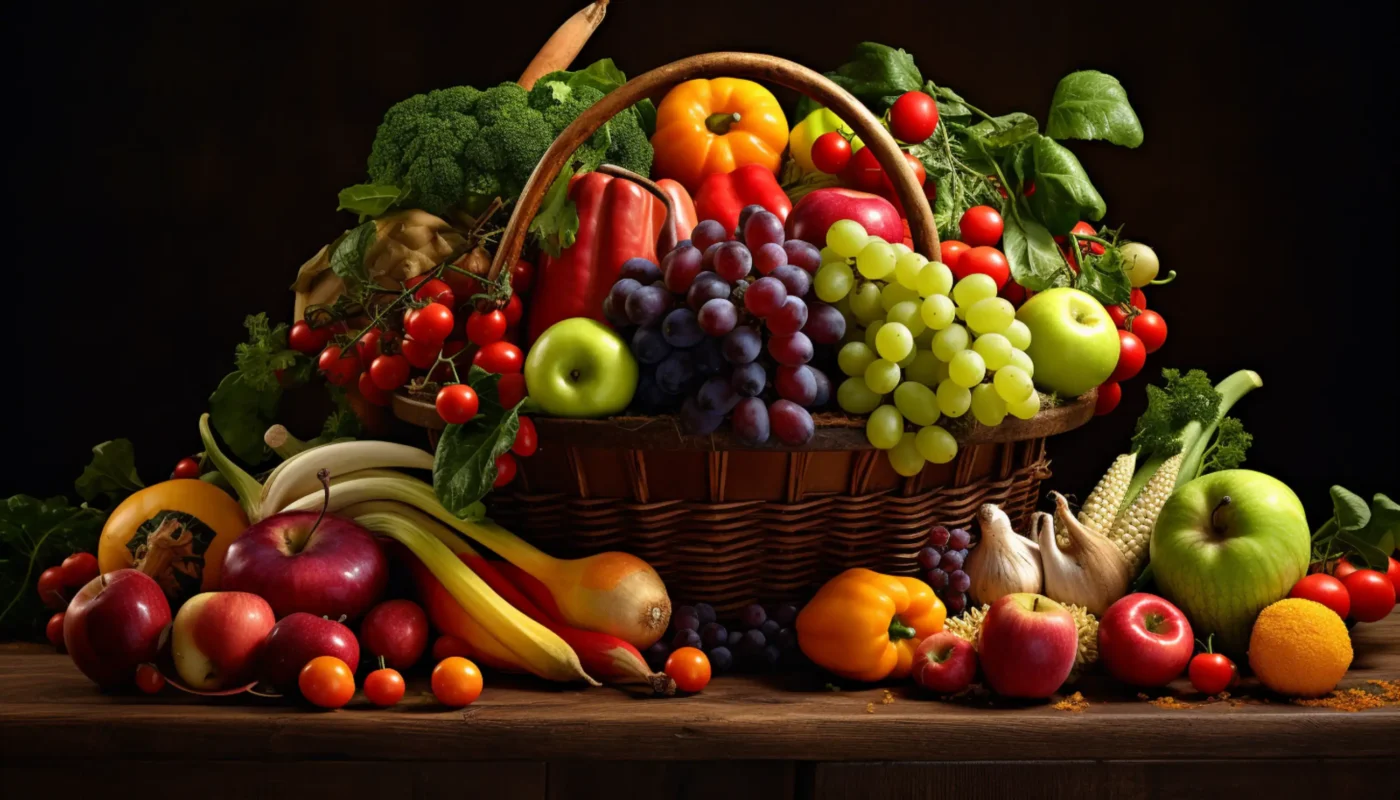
(981, 226)
(1131, 357)
(511, 389)
(327, 681)
(1393, 572)
(1119, 315)
(527, 440)
(514, 310)
(486, 327)
(499, 357)
(1108, 398)
(419, 353)
(384, 687)
(442, 373)
(1372, 595)
(864, 171)
(505, 469)
(80, 568)
(689, 667)
(1211, 673)
(431, 323)
(522, 277)
(371, 393)
(389, 372)
(149, 679)
(305, 339)
(54, 630)
(339, 368)
(368, 345)
(456, 682)
(1325, 589)
(1151, 329)
(950, 252)
(185, 468)
(831, 152)
(913, 117)
(1013, 293)
(457, 403)
(1083, 228)
(1137, 299)
(432, 289)
(987, 261)
(51, 588)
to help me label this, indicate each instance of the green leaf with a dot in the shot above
(1035, 261)
(1104, 277)
(556, 224)
(876, 72)
(369, 199)
(1351, 511)
(1372, 555)
(998, 133)
(1064, 194)
(646, 116)
(265, 353)
(348, 257)
(602, 75)
(1093, 105)
(464, 468)
(241, 414)
(1384, 527)
(951, 106)
(36, 534)
(111, 473)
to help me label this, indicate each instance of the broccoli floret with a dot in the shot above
(629, 147)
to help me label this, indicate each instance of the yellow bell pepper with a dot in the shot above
(805, 133)
(866, 626)
(709, 126)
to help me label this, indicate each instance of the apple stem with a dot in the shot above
(1035, 604)
(1215, 515)
(324, 476)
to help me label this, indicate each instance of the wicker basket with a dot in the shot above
(729, 524)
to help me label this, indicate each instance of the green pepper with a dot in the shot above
(821, 121)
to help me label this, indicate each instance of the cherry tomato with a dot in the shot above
(447, 646)
(1151, 329)
(913, 117)
(432, 289)
(499, 357)
(527, 441)
(371, 393)
(1131, 357)
(420, 354)
(384, 687)
(689, 668)
(1343, 568)
(1109, 396)
(950, 252)
(457, 403)
(1211, 673)
(1082, 228)
(339, 369)
(1014, 293)
(149, 679)
(1119, 316)
(80, 568)
(185, 468)
(1372, 594)
(1137, 299)
(514, 310)
(988, 261)
(1324, 589)
(511, 389)
(981, 226)
(456, 682)
(505, 469)
(888, 185)
(327, 681)
(431, 323)
(864, 171)
(54, 630)
(522, 277)
(51, 588)
(368, 345)
(442, 373)
(1393, 572)
(389, 372)
(831, 152)
(483, 329)
(305, 339)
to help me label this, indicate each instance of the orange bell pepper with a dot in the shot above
(709, 126)
(866, 626)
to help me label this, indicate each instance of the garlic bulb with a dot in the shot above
(1091, 572)
(1005, 562)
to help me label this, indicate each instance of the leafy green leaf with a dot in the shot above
(264, 354)
(1351, 511)
(1034, 259)
(464, 468)
(998, 133)
(111, 473)
(951, 106)
(602, 75)
(1354, 543)
(876, 72)
(1093, 105)
(348, 257)
(242, 413)
(36, 534)
(369, 199)
(1104, 277)
(556, 224)
(1064, 194)
(1384, 528)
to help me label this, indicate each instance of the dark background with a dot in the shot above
(170, 168)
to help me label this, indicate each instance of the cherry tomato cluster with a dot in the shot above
(912, 119)
(1360, 595)
(57, 585)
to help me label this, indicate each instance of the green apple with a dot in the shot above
(1074, 343)
(580, 368)
(1225, 546)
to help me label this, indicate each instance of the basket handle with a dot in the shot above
(669, 235)
(755, 66)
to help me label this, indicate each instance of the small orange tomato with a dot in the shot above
(689, 668)
(384, 687)
(456, 682)
(327, 681)
(149, 679)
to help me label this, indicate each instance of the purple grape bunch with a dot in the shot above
(760, 638)
(942, 561)
(727, 327)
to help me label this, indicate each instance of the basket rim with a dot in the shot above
(834, 430)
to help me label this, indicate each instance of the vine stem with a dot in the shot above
(33, 556)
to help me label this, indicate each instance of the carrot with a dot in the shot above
(564, 46)
(533, 588)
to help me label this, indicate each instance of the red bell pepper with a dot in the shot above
(618, 219)
(724, 194)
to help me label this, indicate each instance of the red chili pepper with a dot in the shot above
(617, 220)
(723, 195)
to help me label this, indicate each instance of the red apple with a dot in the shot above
(396, 630)
(114, 624)
(1145, 640)
(217, 637)
(1027, 646)
(945, 663)
(817, 211)
(334, 569)
(298, 638)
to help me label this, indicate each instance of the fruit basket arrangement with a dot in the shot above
(596, 343)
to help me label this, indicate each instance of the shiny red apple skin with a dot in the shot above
(1027, 646)
(339, 569)
(217, 637)
(396, 630)
(1144, 640)
(113, 624)
(818, 210)
(945, 663)
(296, 639)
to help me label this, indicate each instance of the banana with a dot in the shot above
(296, 477)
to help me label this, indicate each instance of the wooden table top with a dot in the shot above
(47, 707)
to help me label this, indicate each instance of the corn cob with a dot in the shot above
(1132, 530)
(1099, 511)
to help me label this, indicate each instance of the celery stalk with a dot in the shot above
(247, 488)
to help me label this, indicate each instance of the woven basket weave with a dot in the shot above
(728, 524)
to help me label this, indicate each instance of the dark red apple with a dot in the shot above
(298, 638)
(396, 630)
(114, 624)
(1027, 645)
(816, 212)
(945, 663)
(334, 569)
(1145, 640)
